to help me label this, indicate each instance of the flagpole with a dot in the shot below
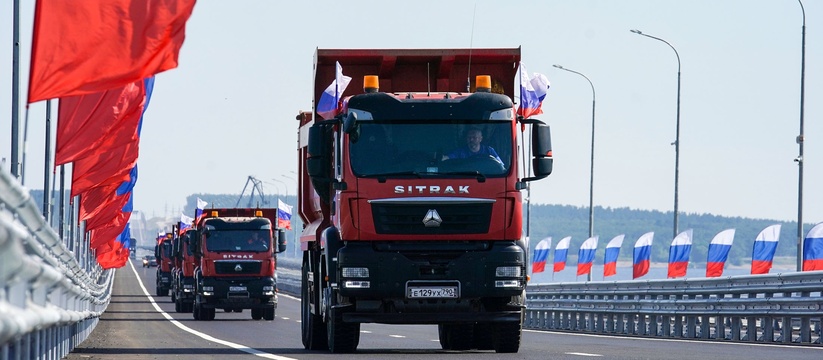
(15, 92)
(46, 161)
(800, 140)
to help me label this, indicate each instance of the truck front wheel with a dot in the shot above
(311, 324)
(506, 337)
(342, 337)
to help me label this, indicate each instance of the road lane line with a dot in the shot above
(397, 336)
(707, 342)
(583, 354)
(204, 336)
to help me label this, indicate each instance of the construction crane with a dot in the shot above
(256, 185)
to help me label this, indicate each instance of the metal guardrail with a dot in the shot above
(771, 308)
(50, 297)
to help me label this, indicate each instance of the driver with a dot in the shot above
(474, 138)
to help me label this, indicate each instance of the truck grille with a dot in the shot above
(408, 218)
(237, 266)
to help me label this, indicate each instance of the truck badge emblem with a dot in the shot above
(238, 268)
(432, 219)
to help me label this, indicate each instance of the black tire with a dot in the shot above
(238, 310)
(208, 314)
(197, 311)
(188, 307)
(506, 337)
(268, 314)
(256, 314)
(342, 337)
(173, 297)
(311, 324)
(444, 339)
(228, 309)
(178, 307)
(460, 336)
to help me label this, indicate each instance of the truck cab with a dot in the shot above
(165, 263)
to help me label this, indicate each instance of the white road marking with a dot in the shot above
(204, 336)
(365, 331)
(397, 336)
(284, 318)
(582, 354)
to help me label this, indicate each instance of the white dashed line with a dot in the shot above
(397, 336)
(365, 332)
(582, 354)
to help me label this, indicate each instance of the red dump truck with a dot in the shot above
(411, 196)
(163, 253)
(182, 287)
(236, 262)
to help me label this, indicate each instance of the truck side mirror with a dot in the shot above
(542, 150)
(318, 163)
(281, 240)
(348, 122)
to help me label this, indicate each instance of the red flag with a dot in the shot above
(104, 168)
(97, 122)
(104, 236)
(111, 211)
(83, 47)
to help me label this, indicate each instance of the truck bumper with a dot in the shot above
(476, 282)
(164, 279)
(186, 293)
(242, 293)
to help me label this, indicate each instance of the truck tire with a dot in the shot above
(506, 337)
(268, 314)
(196, 311)
(208, 314)
(178, 306)
(444, 339)
(342, 337)
(187, 307)
(256, 314)
(483, 336)
(311, 324)
(459, 336)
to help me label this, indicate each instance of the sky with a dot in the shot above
(245, 70)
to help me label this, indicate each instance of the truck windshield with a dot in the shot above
(446, 149)
(238, 240)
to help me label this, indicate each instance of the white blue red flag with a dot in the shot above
(718, 252)
(813, 249)
(679, 253)
(532, 92)
(612, 252)
(585, 256)
(198, 210)
(329, 101)
(560, 253)
(764, 247)
(641, 258)
(185, 223)
(283, 215)
(541, 255)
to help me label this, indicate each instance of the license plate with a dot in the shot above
(432, 292)
(237, 288)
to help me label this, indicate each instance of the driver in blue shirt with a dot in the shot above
(474, 147)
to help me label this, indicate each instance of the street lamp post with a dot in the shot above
(591, 171)
(677, 135)
(800, 140)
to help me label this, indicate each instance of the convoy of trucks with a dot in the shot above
(410, 196)
(401, 226)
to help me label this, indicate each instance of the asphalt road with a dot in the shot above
(139, 326)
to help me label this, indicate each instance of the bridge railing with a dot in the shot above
(784, 308)
(50, 297)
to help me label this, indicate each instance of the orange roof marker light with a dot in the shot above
(484, 83)
(214, 214)
(371, 83)
(258, 213)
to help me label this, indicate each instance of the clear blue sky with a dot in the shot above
(245, 70)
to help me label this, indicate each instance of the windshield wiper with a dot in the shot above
(381, 177)
(480, 177)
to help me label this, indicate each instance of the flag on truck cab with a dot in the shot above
(327, 105)
(679, 252)
(83, 47)
(585, 256)
(718, 252)
(641, 258)
(610, 258)
(813, 249)
(532, 92)
(283, 215)
(185, 223)
(764, 247)
(560, 253)
(541, 255)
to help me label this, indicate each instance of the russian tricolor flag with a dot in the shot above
(641, 257)
(764, 246)
(329, 101)
(283, 215)
(585, 256)
(679, 254)
(813, 249)
(560, 253)
(532, 92)
(718, 252)
(198, 210)
(541, 255)
(612, 252)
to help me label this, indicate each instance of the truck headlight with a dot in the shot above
(355, 272)
(507, 271)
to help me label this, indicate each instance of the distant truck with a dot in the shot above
(402, 226)
(236, 262)
(182, 287)
(162, 251)
(133, 248)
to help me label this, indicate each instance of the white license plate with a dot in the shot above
(237, 288)
(432, 292)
